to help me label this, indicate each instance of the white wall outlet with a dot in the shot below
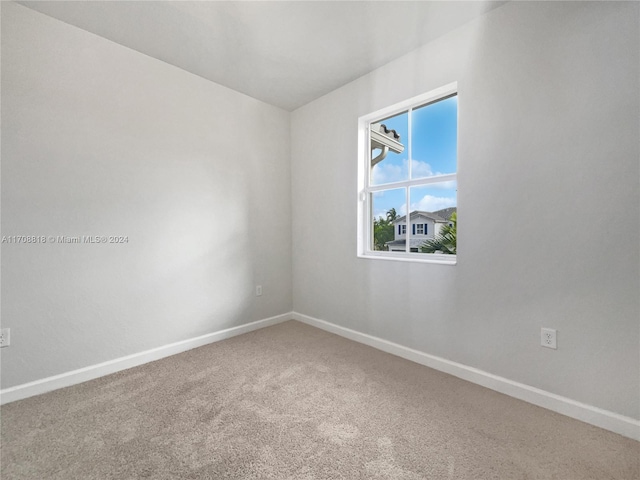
(258, 290)
(5, 337)
(548, 338)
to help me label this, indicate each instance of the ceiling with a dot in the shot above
(283, 53)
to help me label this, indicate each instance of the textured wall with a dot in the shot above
(548, 199)
(98, 139)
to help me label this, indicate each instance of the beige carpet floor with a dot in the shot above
(295, 402)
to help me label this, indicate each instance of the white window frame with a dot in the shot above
(365, 190)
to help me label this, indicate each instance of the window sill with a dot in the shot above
(411, 257)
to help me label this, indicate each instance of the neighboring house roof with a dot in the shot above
(446, 212)
(389, 133)
(413, 243)
(418, 213)
(382, 137)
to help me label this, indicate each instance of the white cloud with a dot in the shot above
(429, 203)
(386, 172)
(420, 169)
(389, 172)
(379, 214)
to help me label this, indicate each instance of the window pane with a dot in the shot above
(434, 138)
(387, 206)
(434, 207)
(394, 167)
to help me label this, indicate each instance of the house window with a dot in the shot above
(407, 173)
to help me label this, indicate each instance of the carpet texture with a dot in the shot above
(294, 402)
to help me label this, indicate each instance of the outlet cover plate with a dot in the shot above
(548, 338)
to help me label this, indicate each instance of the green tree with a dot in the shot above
(392, 215)
(383, 230)
(445, 242)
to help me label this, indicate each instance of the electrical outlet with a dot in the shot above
(5, 337)
(258, 290)
(548, 338)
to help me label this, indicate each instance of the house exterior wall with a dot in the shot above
(431, 228)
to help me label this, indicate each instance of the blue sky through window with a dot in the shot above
(433, 151)
(434, 137)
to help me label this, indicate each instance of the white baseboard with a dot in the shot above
(112, 366)
(627, 426)
(599, 417)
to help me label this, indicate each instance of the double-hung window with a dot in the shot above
(407, 175)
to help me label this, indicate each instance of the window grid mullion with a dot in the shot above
(412, 183)
(407, 246)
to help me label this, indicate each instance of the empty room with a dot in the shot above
(230, 240)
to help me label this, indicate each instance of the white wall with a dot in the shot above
(548, 123)
(98, 139)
